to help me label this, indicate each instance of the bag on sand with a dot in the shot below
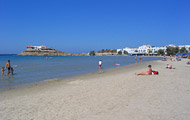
(155, 72)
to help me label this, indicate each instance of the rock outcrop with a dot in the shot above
(48, 53)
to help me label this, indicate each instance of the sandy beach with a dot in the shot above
(115, 94)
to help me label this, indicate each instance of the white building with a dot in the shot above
(145, 49)
(131, 50)
(41, 48)
(142, 50)
(171, 45)
(35, 47)
(149, 49)
(155, 49)
(186, 47)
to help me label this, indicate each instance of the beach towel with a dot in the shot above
(155, 72)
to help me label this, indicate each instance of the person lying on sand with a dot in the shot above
(170, 66)
(149, 72)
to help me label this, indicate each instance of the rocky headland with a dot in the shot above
(53, 52)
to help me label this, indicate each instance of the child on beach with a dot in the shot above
(149, 72)
(2, 71)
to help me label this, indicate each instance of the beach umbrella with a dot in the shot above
(183, 53)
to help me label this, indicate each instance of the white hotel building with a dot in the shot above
(149, 49)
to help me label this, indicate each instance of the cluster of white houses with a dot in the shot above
(148, 49)
(40, 48)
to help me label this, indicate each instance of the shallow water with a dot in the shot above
(32, 69)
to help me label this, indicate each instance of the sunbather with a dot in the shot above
(149, 72)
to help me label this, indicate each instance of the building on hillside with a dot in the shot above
(143, 50)
(149, 49)
(40, 48)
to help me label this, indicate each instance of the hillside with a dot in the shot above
(48, 53)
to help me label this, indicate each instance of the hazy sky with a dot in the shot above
(84, 25)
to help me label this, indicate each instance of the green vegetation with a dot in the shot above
(150, 51)
(92, 53)
(125, 52)
(160, 52)
(183, 50)
(120, 52)
(172, 50)
(108, 51)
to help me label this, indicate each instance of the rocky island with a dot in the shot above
(44, 51)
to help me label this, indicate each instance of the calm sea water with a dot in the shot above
(33, 69)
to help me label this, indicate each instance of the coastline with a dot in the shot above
(61, 77)
(113, 94)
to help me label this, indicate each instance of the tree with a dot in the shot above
(150, 51)
(176, 49)
(136, 50)
(125, 52)
(161, 52)
(114, 51)
(92, 53)
(183, 50)
(172, 50)
(120, 52)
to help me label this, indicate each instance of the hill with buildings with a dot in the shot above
(152, 50)
(44, 51)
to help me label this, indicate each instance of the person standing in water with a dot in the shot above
(8, 65)
(100, 64)
(135, 58)
(2, 71)
(140, 59)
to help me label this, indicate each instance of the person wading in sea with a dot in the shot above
(136, 59)
(8, 65)
(100, 64)
(140, 59)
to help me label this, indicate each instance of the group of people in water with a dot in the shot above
(7, 66)
(140, 59)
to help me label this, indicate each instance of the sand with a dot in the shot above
(115, 94)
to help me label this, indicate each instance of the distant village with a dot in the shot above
(145, 50)
(153, 50)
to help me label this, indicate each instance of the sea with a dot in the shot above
(30, 70)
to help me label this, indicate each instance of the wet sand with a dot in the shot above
(115, 94)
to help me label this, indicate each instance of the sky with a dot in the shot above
(83, 25)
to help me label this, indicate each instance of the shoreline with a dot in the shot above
(113, 94)
(69, 77)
